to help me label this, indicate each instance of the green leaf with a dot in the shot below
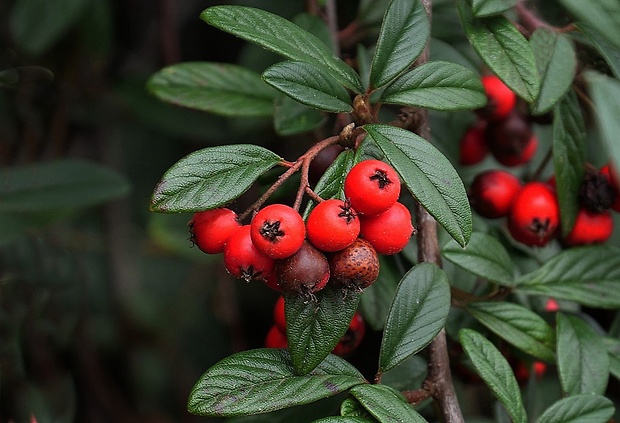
(602, 16)
(588, 275)
(495, 371)
(556, 62)
(504, 50)
(291, 117)
(519, 326)
(439, 86)
(482, 8)
(60, 185)
(220, 88)
(342, 419)
(314, 327)
(613, 349)
(418, 313)
(351, 407)
(606, 95)
(569, 157)
(308, 85)
(264, 380)
(279, 35)
(377, 298)
(484, 256)
(579, 409)
(211, 177)
(430, 177)
(583, 362)
(386, 404)
(404, 32)
(610, 53)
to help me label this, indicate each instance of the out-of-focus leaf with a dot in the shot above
(579, 409)
(377, 298)
(291, 117)
(602, 16)
(482, 8)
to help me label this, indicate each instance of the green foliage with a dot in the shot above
(385, 404)
(578, 408)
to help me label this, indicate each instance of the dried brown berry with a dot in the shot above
(355, 267)
(303, 273)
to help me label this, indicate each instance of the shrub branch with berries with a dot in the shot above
(340, 251)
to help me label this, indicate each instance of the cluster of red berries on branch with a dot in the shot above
(276, 336)
(339, 242)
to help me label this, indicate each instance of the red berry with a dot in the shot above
(552, 305)
(275, 338)
(534, 214)
(521, 157)
(522, 371)
(501, 99)
(473, 146)
(332, 225)
(492, 191)
(372, 186)
(355, 267)
(590, 228)
(610, 173)
(512, 140)
(303, 273)
(277, 231)
(353, 336)
(211, 229)
(243, 260)
(279, 317)
(390, 231)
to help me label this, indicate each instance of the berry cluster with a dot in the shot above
(276, 336)
(339, 242)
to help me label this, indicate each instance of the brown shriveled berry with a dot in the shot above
(356, 267)
(303, 273)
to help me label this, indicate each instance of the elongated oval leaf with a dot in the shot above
(602, 15)
(504, 49)
(314, 327)
(377, 299)
(264, 380)
(220, 88)
(437, 85)
(613, 349)
(418, 313)
(351, 407)
(430, 177)
(583, 362)
(579, 409)
(569, 157)
(495, 371)
(610, 52)
(342, 419)
(589, 275)
(386, 404)
(482, 8)
(281, 36)
(291, 117)
(60, 185)
(211, 177)
(309, 85)
(402, 38)
(519, 326)
(484, 256)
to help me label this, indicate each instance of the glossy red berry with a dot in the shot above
(355, 267)
(303, 273)
(275, 338)
(353, 336)
(278, 231)
(610, 173)
(511, 139)
(500, 99)
(492, 191)
(552, 305)
(534, 215)
(332, 225)
(372, 187)
(590, 228)
(473, 146)
(279, 317)
(211, 229)
(390, 231)
(243, 260)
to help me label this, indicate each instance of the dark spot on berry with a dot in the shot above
(382, 178)
(347, 212)
(271, 231)
(540, 226)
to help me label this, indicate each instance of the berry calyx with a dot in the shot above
(277, 231)
(372, 187)
(492, 191)
(332, 225)
(610, 173)
(303, 273)
(473, 146)
(390, 231)
(500, 99)
(590, 228)
(355, 267)
(597, 192)
(534, 215)
(243, 260)
(352, 337)
(210, 229)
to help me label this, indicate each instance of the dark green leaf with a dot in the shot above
(601, 15)
(60, 185)
(583, 362)
(220, 88)
(403, 36)
(386, 404)
(484, 256)
(519, 326)
(263, 380)
(482, 8)
(211, 177)
(579, 409)
(588, 275)
(342, 419)
(281, 36)
(613, 349)
(430, 177)
(610, 53)
(377, 298)
(291, 117)
(437, 85)
(408, 375)
(495, 371)
(569, 157)
(314, 327)
(504, 49)
(418, 313)
(308, 85)
(351, 407)
(556, 63)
